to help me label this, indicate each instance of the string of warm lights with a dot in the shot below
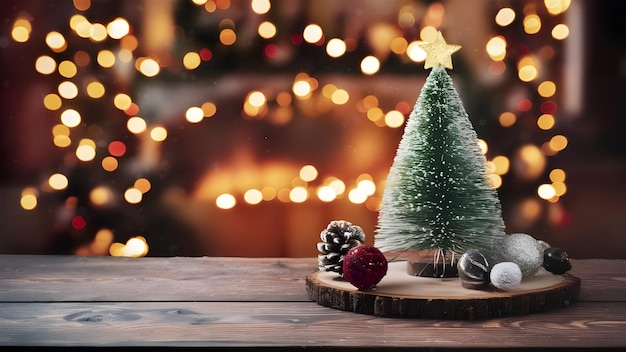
(119, 55)
(529, 70)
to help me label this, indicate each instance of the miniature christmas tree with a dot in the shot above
(437, 197)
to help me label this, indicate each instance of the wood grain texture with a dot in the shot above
(216, 303)
(296, 324)
(602, 280)
(31, 278)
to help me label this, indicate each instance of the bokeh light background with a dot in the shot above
(242, 127)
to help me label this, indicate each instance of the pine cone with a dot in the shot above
(338, 238)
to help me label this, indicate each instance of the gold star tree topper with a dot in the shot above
(438, 53)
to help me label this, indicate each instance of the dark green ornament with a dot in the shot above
(556, 261)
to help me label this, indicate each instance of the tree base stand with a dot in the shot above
(427, 264)
(431, 270)
(399, 295)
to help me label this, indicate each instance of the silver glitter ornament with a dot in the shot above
(523, 250)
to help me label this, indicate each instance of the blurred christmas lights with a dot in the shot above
(528, 161)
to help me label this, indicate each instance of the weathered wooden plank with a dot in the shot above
(230, 324)
(601, 279)
(26, 278)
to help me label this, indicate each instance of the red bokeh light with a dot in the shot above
(403, 107)
(206, 54)
(524, 105)
(132, 110)
(296, 39)
(271, 50)
(117, 148)
(78, 222)
(548, 107)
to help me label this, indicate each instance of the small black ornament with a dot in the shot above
(556, 261)
(473, 269)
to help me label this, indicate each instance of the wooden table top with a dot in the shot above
(237, 303)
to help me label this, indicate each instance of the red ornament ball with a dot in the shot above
(364, 266)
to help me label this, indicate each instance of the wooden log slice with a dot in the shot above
(400, 295)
